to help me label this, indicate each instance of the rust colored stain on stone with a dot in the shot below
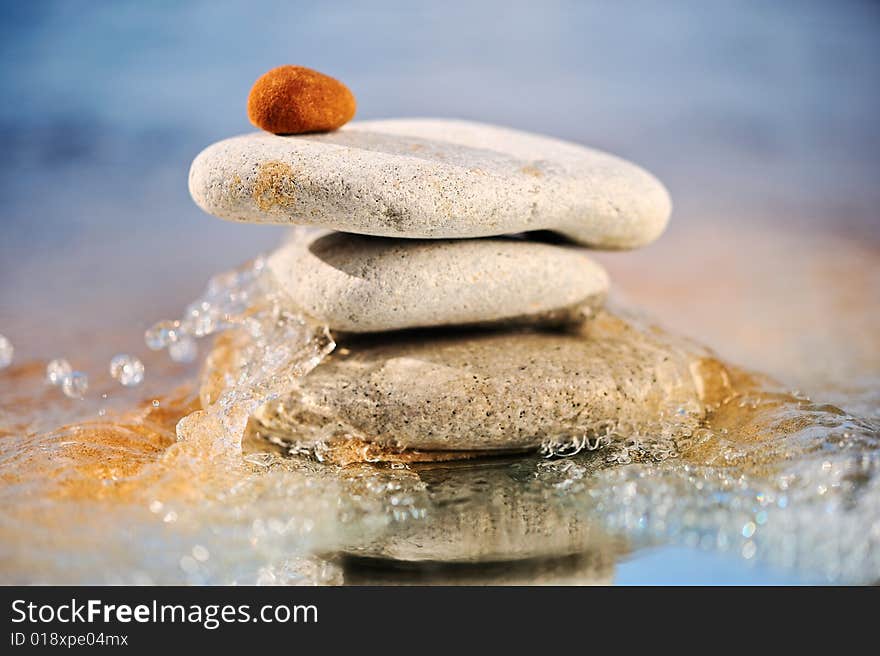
(274, 186)
(533, 171)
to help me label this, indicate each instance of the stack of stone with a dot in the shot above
(450, 256)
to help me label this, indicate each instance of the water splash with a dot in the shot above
(768, 474)
(282, 344)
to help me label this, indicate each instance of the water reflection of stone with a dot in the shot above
(489, 511)
(577, 569)
(496, 520)
(488, 523)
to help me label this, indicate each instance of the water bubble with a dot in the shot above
(6, 352)
(200, 553)
(201, 319)
(75, 385)
(127, 369)
(57, 370)
(162, 334)
(189, 565)
(185, 350)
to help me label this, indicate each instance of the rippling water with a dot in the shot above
(761, 120)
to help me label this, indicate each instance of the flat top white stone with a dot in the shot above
(431, 178)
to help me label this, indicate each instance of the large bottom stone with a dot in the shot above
(492, 391)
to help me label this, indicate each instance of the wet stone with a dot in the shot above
(490, 391)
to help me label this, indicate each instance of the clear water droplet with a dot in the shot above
(185, 350)
(127, 369)
(201, 319)
(200, 553)
(57, 370)
(75, 385)
(6, 352)
(162, 334)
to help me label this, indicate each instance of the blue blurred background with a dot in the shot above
(761, 118)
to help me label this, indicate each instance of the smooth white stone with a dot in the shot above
(363, 284)
(431, 178)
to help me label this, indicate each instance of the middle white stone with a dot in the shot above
(366, 284)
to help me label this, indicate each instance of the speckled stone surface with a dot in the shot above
(361, 284)
(491, 390)
(431, 178)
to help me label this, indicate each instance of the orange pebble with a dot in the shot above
(295, 99)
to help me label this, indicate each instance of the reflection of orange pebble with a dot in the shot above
(294, 99)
